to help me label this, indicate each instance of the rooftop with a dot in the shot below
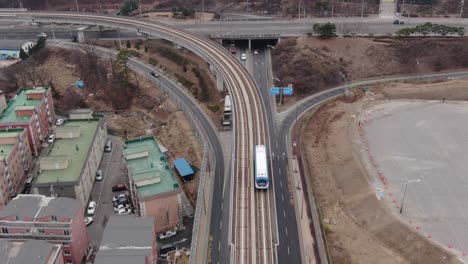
(148, 168)
(36, 206)
(73, 150)
(20, 100)
(30, 251)
(183, 167)
(5, 150)
(126, 239)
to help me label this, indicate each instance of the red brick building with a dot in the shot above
(15, 161)
(55, 220)
(31, 109)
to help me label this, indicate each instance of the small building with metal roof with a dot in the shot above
(184, 169)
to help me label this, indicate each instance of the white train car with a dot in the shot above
(261, 168)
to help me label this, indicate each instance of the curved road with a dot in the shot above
(252, 229)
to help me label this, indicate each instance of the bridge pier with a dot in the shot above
(250, 45)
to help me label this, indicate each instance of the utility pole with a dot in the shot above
(462, 3)
(139, 5)
(202, 9)
(362, 9)
(77, 8)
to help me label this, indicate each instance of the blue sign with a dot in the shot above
(287, 91)
(274, 90)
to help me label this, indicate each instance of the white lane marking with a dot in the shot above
(282, 197)
(220, 225)
(281, 184)
(286, 229)
(288, 250)
(219, 246)
(284, 214)
(222, 205)
(263, 230)
(279, 169)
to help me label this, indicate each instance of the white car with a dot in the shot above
(167, 234)
(121, 206)
(51, 139)
(99, 175)
(43, 35)
(91, 208)
(243, 56)
(117, 197)
(255, 52)
(59, 122)
(124, 211)
(88, 220)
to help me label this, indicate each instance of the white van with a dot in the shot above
(108, 147)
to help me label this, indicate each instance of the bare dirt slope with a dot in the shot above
(358, 227)
(313, 65)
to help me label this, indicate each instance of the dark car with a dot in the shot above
(154, 74)
(121, 201)
(119, 187)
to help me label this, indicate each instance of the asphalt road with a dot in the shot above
(111, 166)
(285, 228)
(286, 28)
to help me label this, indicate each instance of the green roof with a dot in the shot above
(74, 150)
(148, 167)
(20, 101)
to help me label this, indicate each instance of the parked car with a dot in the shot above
(121, 201)
(119, 196)
(88, 220)
(124, 211)
(108, 147)
(59, 122)
(119, 187)
(91, 208)
(51, 139)
(43, 35)
(255, 52)
(243, 56)
(155, 74)
(167, 234)
(99, 175)
(121, 206)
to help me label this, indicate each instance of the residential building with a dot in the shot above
(31, 109)
(153, 187)
(69, 168)
(15, 162)
(31, 252)
(57, 220)
(128, 239)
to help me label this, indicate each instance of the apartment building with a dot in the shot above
(31, 109)
(30, 251)
(153, 187)
(15, 162)
(128, 239)
(69, 168)
(57, 220)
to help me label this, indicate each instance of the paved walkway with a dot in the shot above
(303, 222)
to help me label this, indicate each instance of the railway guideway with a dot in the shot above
(252, 208)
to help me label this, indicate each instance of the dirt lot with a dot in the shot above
(358, 227)
(431, 8)
(150, 113)
(313, 65)
(181, 65)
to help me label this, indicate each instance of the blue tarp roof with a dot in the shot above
(80, 84)
(183, 167)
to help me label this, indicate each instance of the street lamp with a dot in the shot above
(281, 91)
(404, 193)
